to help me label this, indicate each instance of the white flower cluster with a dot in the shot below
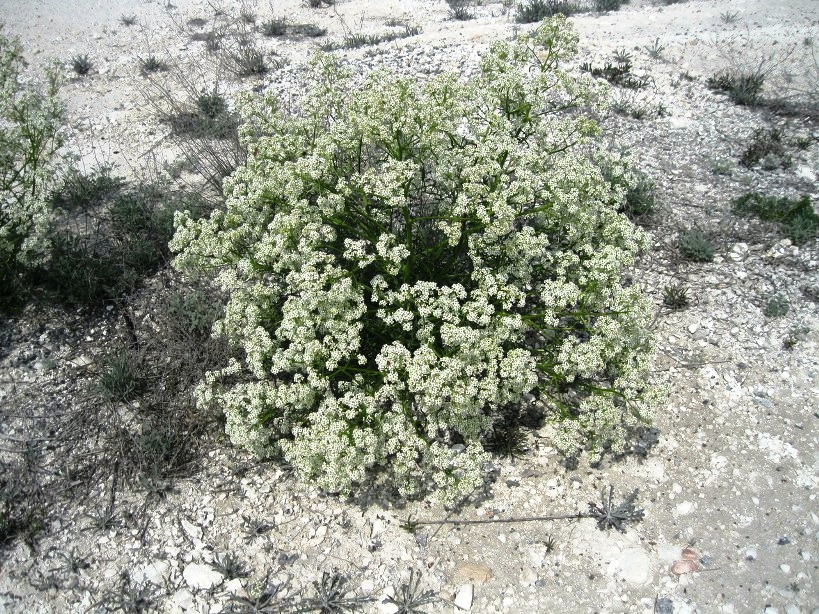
(31, 121)
(403, 265)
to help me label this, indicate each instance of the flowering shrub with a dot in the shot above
(404, 259)
(30, 122)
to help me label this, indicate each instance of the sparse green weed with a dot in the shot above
(675, 296)
(695, 245)
(777, 307)
(743, 88)
(796, 217)
(767, 147)
(81, 64)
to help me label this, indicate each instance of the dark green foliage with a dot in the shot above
(609, 516)
(675, 296)
(618, 73)
(531, 11)
(354, 41)
(80, 190)
(795, 217)
(205, 116)
(230, 566)
(21, 498)
(695, 246)
(330, 596)
(152, 64)
(768, 148)
(409, 597)
(119, 377)
(777, 307)
(309, 30)
(275, 27)
(81, 64)
(640, 200)
(247, 60)
(460, 10)
(608, 5)
(108, 249)
(508, 437)
(743, 88)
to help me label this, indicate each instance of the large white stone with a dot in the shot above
(634, 566)
(463, 599)
(202, 576)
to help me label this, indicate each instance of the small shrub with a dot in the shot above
(618, 73)
(275, 27)
(460, 10)
(531, 11)
(395, 281)
(247, 16)
(696, 246)
(729, 17)
(119, 377)
(768, 148)
(655, 50)
(152, 64)
(675, 296)
(31, 135)
(81, 64)
(317, 4)
(743, 88)
(354, 41)
(197, 22)
(796, 217)
(310, 30)
(128, 20)
(604, 6)
(639, 190)
(247, 60)
(777, 307)
(82, 191)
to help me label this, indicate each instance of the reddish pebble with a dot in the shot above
(687, 566)
(689, 554)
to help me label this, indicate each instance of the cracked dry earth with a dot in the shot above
(727, 475)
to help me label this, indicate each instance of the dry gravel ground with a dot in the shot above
(727, 475)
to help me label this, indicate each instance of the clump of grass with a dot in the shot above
(354, 41)
(531, 11)
(743, 88)
(197, 22)
(317, 4)
(119, 379)
(409, 597)
(777, 307)
(619, 73)
(274, 27)
(640, 199)
(152, 64)
(128, 20)
(81, 64)
(695, 246)
(604, 6)
(247, 60)
(796, 217)
(655, 50)
(675, 296)
(309, 30)
(768, 148)
(460, 10)
(79, 190)
(729, 17)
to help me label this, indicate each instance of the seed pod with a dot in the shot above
(689, 554)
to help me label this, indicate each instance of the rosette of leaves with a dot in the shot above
(405, 259)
